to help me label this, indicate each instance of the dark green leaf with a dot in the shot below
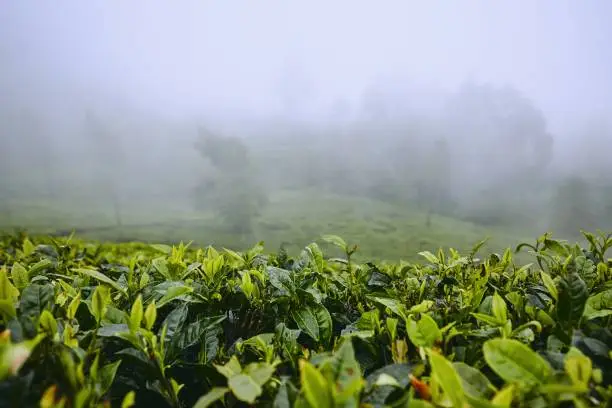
(100, 277)
(556, 246)
(194, 331)
(174, 321)
(281, 280)
(347, 373)
(35, 298)
(573, 295)
(324, 321)
(475, 383)
(316, 255)
(307, 321)
(107, 375)
(379, 279)
(586, 269)
(286, 395)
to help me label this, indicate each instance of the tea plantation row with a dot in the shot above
(132, 325)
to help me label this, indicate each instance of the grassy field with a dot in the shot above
(294, 218)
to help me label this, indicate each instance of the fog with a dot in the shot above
(231, 122)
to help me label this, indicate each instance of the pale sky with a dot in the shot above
(188, 56)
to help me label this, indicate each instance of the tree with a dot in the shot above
(572, 207)
(590, 151)
(111, 159)
(503, 149)
(32, 143)
(231, 189)
(433, 185)
(499, 132)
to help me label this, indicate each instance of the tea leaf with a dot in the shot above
(281, 280)
(347, 373)
(474, 382)
(556, 246)
(286, 395)
(28, 247)
(586, 269)
(573, 295)
(579, 369)
(47, 323)
(7, 309)
(161, 265)
(99, 303)
(34, 299)
(19, 275)
(324, 323)
(230, 369)
(7, 290)
(107, 375)
(129, 400)
(448, 378)
(430, 257)
(314, 384)
(505, 396)
(74, 306)
(424, 332)
(316, 255)
(100, 277)
(336, 240)
(260, 372)
(172, 293)
(150, 315)
(136, 313)
(498, 307)
(307, 321)
(244, 388)
(598, 305)
(550, 285)
(215, 394)
(515, 362)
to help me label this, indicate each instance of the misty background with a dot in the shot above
(399, 125)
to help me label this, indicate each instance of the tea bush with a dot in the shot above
(85, 324)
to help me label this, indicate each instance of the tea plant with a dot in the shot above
(129, 325)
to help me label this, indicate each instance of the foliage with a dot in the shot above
(93, 325)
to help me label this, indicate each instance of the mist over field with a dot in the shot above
(399, 125)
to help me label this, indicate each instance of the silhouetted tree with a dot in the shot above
(231, 189)
(110, 159)
(573, 207)
(434, 182)
(500, 132)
